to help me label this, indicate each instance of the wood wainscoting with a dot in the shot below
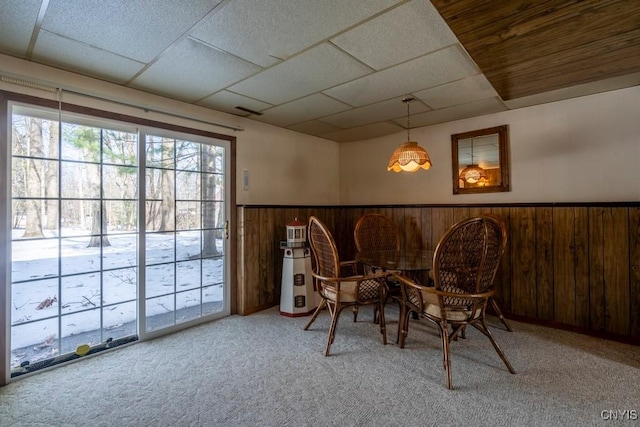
(574, 266)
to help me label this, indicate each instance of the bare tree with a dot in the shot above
(34, 180)
(212, 217)
(168, 204)
(120, 148)
(52, 178)
(19, 146)
(167, 187)
(89, 141)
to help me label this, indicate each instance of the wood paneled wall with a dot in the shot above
(575, 266)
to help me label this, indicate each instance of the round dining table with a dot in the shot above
(413, 263)
(406, 261)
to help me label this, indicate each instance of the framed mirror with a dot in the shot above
(480, 160)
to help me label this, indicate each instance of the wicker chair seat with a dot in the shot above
(359, 289)
(432, 309)
(428, 304)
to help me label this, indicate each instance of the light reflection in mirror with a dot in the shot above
(480, 161)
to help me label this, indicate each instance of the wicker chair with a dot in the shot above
(377, 232)
(492, 300)
(339, 284)
(464, 266)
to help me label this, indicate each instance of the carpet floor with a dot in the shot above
(264, 370)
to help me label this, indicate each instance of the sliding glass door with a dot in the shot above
(185, 230)
(117, 233)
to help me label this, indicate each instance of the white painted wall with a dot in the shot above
(579, 150)
(551, 145)
(285, 167)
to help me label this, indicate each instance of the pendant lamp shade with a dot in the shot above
(409, 156)
(473, 173)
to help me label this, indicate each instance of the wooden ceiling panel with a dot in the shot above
(530, 47)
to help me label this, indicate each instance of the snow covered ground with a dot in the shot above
(84, 300)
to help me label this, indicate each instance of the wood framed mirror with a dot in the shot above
(480, 160)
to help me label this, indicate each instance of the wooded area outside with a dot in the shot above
(76, 231)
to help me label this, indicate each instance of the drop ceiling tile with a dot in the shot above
(430, 70)
(228, 101)
(139, 29)
(314, 70)
(363, 132)
(313, 127)
(472, 109)
(191, 71)
(301, 110)
(408, 31)
(266, 32)
(380, 111)
(462, 91)
(61, 52)
(18, 20)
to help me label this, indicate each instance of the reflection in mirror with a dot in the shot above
(480, 161)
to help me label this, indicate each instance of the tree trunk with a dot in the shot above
(52, 180)
(211, 215)
(98, 227)
(167, 214)
(34, 181)
(98, 211)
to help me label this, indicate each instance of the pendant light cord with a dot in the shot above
(472, 152)
(407, 101)
(408, 122)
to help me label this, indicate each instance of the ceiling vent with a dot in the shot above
(247, 110)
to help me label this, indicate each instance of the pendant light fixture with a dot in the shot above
(473, 173)
(409, 156)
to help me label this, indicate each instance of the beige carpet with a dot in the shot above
(264, 370)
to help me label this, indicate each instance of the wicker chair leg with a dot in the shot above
(403, 326)
(494, 304)
(315, 313)
(382, 322)
(455, 331)
(355, 313)
(332, 329)
(444, 332)
(495, 344)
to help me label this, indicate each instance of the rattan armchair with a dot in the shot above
(492, 300)
(338, 284)
(464, 266)
(377, 232)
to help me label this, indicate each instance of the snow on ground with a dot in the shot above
(86, 302)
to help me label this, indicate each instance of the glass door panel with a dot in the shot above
(74, 237)
(185, 244)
